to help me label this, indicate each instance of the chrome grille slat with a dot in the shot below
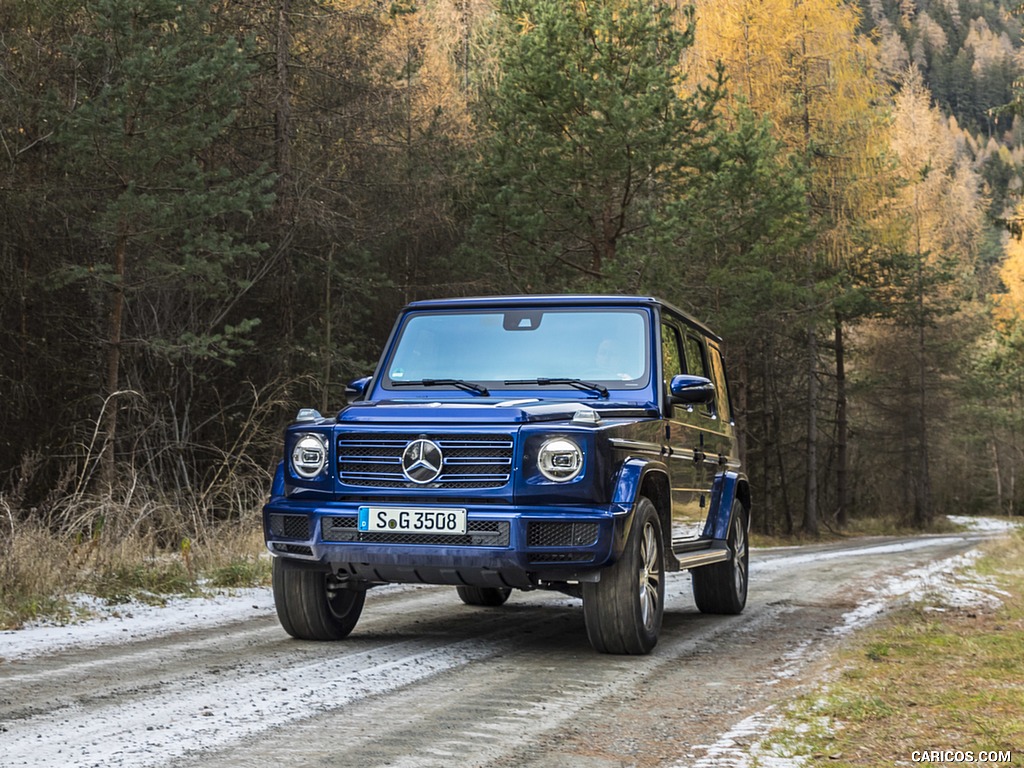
(374, 460)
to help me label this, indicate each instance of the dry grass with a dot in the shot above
(925, 680)
(124, 547)
(180, 517)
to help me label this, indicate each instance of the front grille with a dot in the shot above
(417, 500)
(561, 534)
(289, 526)
(374, 460)
(479, 533)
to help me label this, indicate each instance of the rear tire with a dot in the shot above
(486, 596)
(722, 588)
(310, 606)
(623, 611)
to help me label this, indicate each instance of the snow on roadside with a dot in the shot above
(134, 620)
(946, 584)
(986, 524)
(950, 583)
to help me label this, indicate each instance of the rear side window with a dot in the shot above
(672, 364)
(697, 365)
(721, 385)
(671, 356)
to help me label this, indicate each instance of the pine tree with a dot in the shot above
(588, 140)
(158, 195)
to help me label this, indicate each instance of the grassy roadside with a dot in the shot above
(42, 573)
(932, 684)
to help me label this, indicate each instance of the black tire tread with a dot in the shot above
(490, 597)
(610, 609)
(714, 586)
(301, 600)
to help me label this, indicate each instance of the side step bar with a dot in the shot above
(718, 552)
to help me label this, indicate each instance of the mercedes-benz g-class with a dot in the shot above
(578, 443)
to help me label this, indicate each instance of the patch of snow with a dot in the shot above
(744, 746)
(948, 583)
(182, 717)
(986, 524)
(135, 620)
(788, 561)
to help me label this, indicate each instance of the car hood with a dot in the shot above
(488, 411)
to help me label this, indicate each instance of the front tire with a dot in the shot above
(722, 588)
(311, 606)
(623, 611)
(490, 597)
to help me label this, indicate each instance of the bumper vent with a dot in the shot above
(374, 460)
(293, 549)
(480, 533)
(561, 534)
(560, 557)
(290, 526)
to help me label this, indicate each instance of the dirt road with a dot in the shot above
(425, 681)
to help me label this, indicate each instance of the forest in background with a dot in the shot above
(211, 211)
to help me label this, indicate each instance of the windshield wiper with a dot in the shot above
(466, 386)
(586, 386)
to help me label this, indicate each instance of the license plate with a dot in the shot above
(412, 520)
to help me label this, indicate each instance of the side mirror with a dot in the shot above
(354, 390)
(691, 390)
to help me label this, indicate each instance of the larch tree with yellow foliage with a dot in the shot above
(804, 68)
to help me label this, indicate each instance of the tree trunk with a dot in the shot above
(810, 524)
(842, 431)
(328, 352)
(998, 475)
(283, 107)
(115, 320)
(923, 500)
(771, 385)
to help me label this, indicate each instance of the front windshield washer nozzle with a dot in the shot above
(587, 416)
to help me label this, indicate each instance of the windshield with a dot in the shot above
(603, 346)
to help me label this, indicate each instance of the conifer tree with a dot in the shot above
(155, 190)
(588, 140)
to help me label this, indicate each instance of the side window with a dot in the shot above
(718, 371)
(671, 358)
(697, 365)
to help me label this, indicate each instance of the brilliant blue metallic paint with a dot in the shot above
(605, 492)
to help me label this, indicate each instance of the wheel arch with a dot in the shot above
(649, 479)
(656, 487)
(727, 488)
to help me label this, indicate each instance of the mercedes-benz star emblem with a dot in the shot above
(422, 461)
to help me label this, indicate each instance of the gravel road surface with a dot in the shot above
(425, 681)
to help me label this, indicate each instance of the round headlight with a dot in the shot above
(560, 460)
(309, 456)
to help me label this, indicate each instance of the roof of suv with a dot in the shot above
(561, 300)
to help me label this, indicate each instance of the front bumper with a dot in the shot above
(504, 546)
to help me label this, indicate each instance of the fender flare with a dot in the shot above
(630, 480)
(277, 486)
(727, 487)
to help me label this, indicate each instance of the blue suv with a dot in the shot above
(584, 444)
